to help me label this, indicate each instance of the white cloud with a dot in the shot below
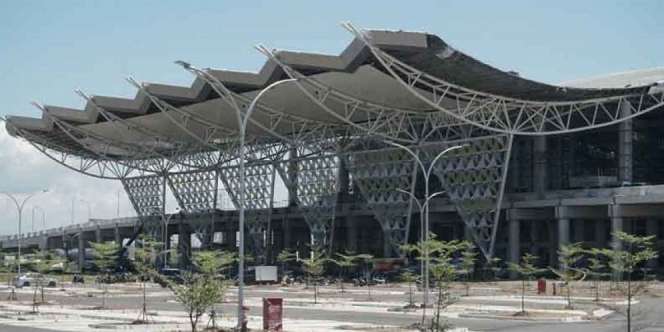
(24, 170)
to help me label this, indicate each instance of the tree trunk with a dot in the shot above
(629, 302)
(192, 322)
(523, 296)
(438, 306)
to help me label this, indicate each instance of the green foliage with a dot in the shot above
(208, 262)
(632, 251)
(410, 278)
(468, 259)
(146, 255)
(201, 290)
(527, 270)
(286, 255)
(314, 266)
(105, 255)
(440, 255)
(597, 267)
(44, 261)
(198, 294)
(569, 256)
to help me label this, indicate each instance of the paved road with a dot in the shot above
(650, 310)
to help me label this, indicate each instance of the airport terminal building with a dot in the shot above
(360, 141)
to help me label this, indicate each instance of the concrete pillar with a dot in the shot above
(98, 234)
(540, 178)
(81, 250)
(616, 226)
(617, 223)
(351, 233)
(563, 222)
(563, 233)
(513, 238)
(625, 146)
(652, 228)
(116, 233)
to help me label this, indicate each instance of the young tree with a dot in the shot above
(345, 262)
(105, 256)
(284, 257)
(440, 255)
(365, 261)
(314, 267)
(527, 270)
(468, 259)
(43, 262)
(630, 254)
(444, 272)
(569, 256)
(410, 278)
(198, 294)
(596, 268)
(145, 264)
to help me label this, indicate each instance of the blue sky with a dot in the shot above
(50, 48)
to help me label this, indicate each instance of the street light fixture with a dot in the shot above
(243, 120)
(32, 221)
(19, 209)
(424, 206)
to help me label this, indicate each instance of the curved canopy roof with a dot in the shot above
(354, 73)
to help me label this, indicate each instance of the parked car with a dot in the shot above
(30, 279)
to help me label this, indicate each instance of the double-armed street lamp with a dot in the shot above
(423, 206)
(243, 117)
(19, 209)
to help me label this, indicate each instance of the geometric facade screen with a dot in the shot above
(317, 195)
(146, 194)
(473, 178)
(259, 193)
(378, 175)
(195, 191)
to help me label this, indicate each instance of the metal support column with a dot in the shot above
(625, 148)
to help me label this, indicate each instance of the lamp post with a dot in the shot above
(424, 207)
(19, 209)
(117, 210)
(89, 208)
(243, 120)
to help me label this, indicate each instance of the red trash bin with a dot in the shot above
(273, 310)
(541, 286)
